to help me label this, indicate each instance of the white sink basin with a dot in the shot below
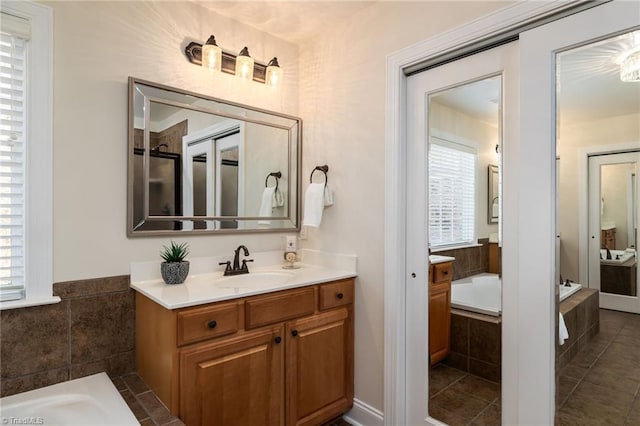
(255, 279)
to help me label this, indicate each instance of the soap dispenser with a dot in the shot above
(291, 252)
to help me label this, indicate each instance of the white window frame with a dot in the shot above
(39, 156)
(469, 147)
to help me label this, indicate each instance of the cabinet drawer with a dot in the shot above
(266, 310)
(336, 294)
(442, 272)
(204, 323)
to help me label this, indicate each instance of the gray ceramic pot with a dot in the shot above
(174, 272)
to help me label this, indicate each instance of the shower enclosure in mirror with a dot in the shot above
(199, 164)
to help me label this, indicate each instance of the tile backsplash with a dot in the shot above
(91, 330)
(469, 260)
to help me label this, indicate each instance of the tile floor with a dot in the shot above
(150, 411)
(601, 384)
(460, 398)
(144, 404)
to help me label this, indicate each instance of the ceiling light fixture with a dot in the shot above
(209, 55)
(630, 68)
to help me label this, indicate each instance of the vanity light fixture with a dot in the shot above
(241, 65)
(212, 55)
(274, 73)
(244, 65)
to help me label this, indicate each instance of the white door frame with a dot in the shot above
(583, 199)
(608, 301)
(396, 407)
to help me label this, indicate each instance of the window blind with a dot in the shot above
(452, 176)
(12, 157)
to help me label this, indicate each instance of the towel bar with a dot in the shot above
(276, 175)
(324, 169)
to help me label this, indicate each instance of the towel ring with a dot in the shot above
(276, 175)
(324, 169)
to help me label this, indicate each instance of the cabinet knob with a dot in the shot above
(294, 333)
(212, 324)
(445, 273)
(278, 340)
(339, 295)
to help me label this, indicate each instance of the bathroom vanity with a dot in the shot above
(440, 273)
(276, 356)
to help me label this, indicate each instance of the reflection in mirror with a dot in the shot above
(197, 157)
(494, 194)
(464, 127)
(598, 155)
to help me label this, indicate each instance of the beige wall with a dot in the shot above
(97, 45)
(342, 99)
(573, 138)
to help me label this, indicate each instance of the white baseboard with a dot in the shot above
(364, 415)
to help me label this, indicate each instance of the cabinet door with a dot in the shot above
(439, 321)
(319, 367)
(237, 381)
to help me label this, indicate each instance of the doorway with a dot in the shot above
(454, 176)
(613, 222)
(528, 365)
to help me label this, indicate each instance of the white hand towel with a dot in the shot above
(278, 198)
(266, 204)
(328, 196)
(313, 205)
(563, 333)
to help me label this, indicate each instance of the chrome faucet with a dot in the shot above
(237, 269)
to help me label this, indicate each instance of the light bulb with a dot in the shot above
(211, 55)
(244, 65)
(274, 73)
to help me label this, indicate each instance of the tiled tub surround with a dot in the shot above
(581, 314)
(476, 339)
(476, 344)
(469, 260)
(91, 330)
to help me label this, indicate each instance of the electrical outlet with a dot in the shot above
(292, 243)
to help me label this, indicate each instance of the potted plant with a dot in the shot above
(174, 269)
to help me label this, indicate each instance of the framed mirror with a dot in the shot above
(493, 212)
(198, 164)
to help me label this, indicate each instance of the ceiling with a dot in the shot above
(590, 87)
(292, 20)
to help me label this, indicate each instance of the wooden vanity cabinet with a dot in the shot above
(440, 311)
(272, 359)
(236, 381)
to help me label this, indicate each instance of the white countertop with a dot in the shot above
(436, 258)
(206, 282)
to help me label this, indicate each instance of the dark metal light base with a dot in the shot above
(193, 51)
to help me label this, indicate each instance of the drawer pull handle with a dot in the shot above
(294, 333)
(278, 340)
(212, 324)
(339, 295)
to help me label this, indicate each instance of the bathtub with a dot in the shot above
(91, 400)
(618, 257)
(482, 293)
